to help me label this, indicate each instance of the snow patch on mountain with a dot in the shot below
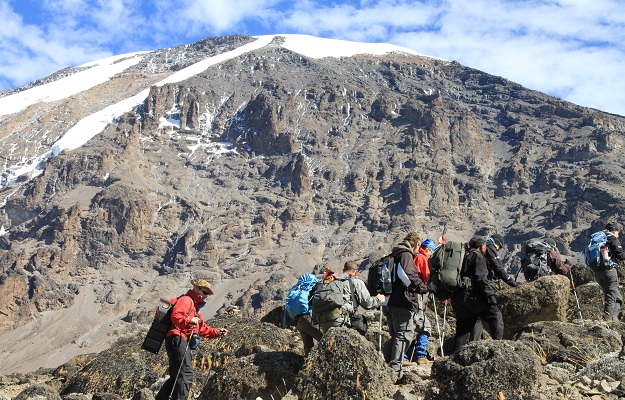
(102, 70)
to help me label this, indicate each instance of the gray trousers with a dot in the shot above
(401, 328)
(612, 299)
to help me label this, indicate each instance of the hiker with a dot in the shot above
(298, 307)
(403, 302)
(496, 270)
(476, 299)
(355, 294)
(606, 275)
(540, 257)
(187, 322)
(422, 324)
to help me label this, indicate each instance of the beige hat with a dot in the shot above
(203, 284)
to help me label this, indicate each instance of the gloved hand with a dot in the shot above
(512, 282)
(431, 287)
(492, 300)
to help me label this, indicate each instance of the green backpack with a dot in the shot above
(445, 267)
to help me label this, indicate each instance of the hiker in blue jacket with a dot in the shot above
(606, 275)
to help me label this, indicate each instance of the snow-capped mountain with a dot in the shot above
(250, 160)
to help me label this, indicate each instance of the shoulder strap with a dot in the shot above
(352, 289)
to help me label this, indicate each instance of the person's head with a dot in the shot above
(202, 287)
(479, 243)
(429, 246)
(498, 239)
(350, 267)
(613, 227)
(414, 239)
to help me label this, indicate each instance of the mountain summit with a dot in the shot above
(251, 160)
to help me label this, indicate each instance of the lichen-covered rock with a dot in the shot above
(344, 365)
(484, 369)
(575, 344)
(264, 374)
(545, 299)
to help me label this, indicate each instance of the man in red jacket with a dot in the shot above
(186, 320)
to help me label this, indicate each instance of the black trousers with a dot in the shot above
(179, 360)
(469, 311)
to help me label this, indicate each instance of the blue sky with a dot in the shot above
(573, 49)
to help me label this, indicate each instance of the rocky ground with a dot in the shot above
(555, 356)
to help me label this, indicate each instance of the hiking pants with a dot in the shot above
(179, 360)
(308, 332)
(401, 328)
(612, 299)
(468, 311)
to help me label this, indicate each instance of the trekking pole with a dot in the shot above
(380, 333)
(444, 322)
(579, 309)
(438, 328)
(173, 387)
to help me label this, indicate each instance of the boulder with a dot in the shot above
(268, 375)
(344, 365)
(575, 344)
(40, 392)
(486, 369)
(545, 299)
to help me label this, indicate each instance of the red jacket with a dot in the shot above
(421, 261)
(184, 310)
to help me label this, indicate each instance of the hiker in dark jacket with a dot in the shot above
(186, 320)
(496, 270)
(477, 299)
(607, 277)
(403, 302)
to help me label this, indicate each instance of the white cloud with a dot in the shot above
(571, 48)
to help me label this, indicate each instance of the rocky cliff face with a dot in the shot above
(271, 164)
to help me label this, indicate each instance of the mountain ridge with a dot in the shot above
(271, 164)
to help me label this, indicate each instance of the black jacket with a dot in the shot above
(615, 248)
(496, 270)
(474, 267)
(402, 296)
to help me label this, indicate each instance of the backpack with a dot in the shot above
(381, 276)
(445, 267)
(593, 252)
(534, 261)
(297, 301)
(328, 299)
(160, 325)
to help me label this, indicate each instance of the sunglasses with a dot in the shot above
(205, 292)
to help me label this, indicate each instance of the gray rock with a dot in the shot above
(344, 365)
(483, 369)
(39, 392)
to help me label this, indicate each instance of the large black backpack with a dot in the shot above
(534, 259)
(382, 274)
(160, 325)
(445, 267)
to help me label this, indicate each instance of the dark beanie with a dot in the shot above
(612, 226)
(497, 238)
(476, 241)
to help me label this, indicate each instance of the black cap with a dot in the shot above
(476, 242)
(497, 238)
(613, 226)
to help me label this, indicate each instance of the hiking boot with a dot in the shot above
(407, 363)
(422, 361)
